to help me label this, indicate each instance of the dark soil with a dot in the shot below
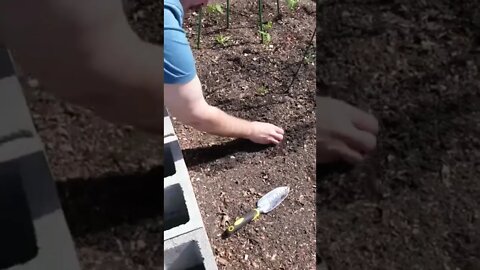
(415, 204)
(229, 176)
(109, 182)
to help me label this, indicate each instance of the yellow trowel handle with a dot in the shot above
(254, 214)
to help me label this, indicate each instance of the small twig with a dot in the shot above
(301, 62)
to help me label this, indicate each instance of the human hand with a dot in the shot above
(265, 133)
(343, 132)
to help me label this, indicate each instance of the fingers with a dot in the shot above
(365, 121)
(265, 133)
(340, 151)
(360, 140)
(273, 140)
(279, 130)
(277, 136)
(348, 154)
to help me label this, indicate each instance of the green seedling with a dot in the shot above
(222, 40)
(262, 90)
(292, 4)
(267, 26)
(266, 37)
(214, 9)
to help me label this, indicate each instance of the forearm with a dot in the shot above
(86, 53)
(128, 87)
(128, 98)
(187, 103)
(217, 122)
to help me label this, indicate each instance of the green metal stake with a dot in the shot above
(228, 13)
(199, 27)
(278, 8)
(260, 18)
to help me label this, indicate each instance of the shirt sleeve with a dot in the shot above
(178, 60)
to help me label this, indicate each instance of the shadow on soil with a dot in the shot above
(94, 205)
(202, 155)
(324, 170)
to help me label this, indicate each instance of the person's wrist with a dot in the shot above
(249, 130)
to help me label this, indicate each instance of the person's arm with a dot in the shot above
(187, 103)
(184, 96)
(86, 53)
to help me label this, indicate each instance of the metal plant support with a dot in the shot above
(260, 16)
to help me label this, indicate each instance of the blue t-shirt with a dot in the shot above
(179, 64)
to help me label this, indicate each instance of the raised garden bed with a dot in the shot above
(249, 79)
(415, 204)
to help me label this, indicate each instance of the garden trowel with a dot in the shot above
(266, 204)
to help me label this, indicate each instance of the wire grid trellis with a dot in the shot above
(260, 20)
(260, 24)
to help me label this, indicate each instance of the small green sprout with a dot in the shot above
(267, 26)
(215, 9)
(262, 90)
(266, 37)
(292, 4)
(221, 39)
